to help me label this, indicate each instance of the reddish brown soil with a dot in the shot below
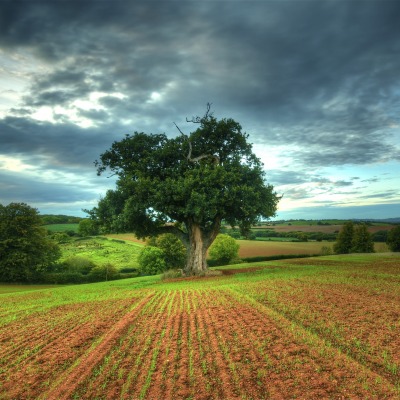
(301, 338)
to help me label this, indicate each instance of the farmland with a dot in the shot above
(323, 327)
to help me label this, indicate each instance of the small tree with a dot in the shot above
(26, 250)
(224, 249)
(362, 240)
(393, 240)
(151, 261)
(344, 242)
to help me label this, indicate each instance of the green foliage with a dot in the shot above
(354, 240)
(224, 249)
(25, 249)
(88, 227)
(79, 264)
(103, 272)
(326, 251)
(344, 241)
(362, 240)
(61, 237)
(174, 250)
(393, 240)
(151, 261)
(49, 219)
(380, 236)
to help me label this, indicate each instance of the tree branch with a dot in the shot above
(198, 120)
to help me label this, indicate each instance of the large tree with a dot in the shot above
(25, 250)
(186, 185)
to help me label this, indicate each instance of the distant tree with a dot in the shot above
(344, 242)
(25, 249)
(88, 227)
(393, 240)
(224, 249)
(362, 240)
(380, 236)
(186, 186)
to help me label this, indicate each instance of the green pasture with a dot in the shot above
(101, 250)
(62, 227)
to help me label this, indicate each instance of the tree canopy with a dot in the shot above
(185, 185)
(24, 247)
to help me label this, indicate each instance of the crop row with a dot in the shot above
(200, 344)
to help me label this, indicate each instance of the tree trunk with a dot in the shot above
(197, 247)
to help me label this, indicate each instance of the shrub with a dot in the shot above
(103, 272)
(62, 278)
(174, 250)
(224, 249)
(326, 251)
(151, 261)
(78, 264)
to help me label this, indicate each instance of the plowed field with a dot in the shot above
(318, 328)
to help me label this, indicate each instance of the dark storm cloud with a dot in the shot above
(63, 146)
(320, 77)
(14, 188)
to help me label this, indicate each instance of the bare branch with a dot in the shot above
(216, 158)
(177, 127)
(198, 120)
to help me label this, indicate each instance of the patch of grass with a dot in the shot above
(62, 227)
(14, 288)
(100, 250)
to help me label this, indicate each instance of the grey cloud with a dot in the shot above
(17, 188)
(320, 77)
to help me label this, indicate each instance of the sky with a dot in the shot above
(315, 84)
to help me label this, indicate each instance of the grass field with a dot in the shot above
(101, 250)
(314, 328)
(62, 227)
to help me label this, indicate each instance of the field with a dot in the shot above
(314, 328)
(62, 227)
(101, 250)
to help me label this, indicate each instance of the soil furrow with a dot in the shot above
(69, 380)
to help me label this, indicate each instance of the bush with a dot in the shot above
(78, 264)
(224, 249)
(326, 251)
(103, 272)
(151, 261)
(62, 278)
(174, 250)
